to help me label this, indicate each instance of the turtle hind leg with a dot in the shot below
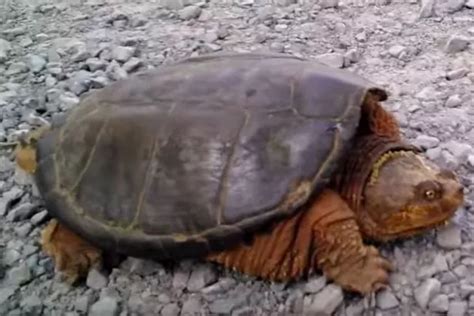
(25, 151)
(377, 120)
(72, 255)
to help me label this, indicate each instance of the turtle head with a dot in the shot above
(407, 194)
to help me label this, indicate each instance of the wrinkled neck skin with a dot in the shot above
(352, 178)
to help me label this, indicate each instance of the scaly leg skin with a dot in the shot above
(325, 237)
(72, 255)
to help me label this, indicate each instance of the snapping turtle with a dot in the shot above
(269, 164)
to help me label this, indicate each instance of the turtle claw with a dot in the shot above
(73, 256)
(369, 275)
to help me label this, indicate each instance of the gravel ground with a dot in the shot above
(422, 52)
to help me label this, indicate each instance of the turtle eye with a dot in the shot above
(430, 194)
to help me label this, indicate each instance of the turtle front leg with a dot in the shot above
(340, 251)
(72, 255)
(325, 237)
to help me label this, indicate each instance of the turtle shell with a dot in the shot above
(193, 156)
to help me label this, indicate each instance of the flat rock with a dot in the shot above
(427, 8)
(386, 300)
(439, 304)
(426, 291)
(456, 44)
(449, 237)
(36, 63)
(325, 302)
(106, 306)
(190, 12)
(426, 141)
(335, 60)
(96, 280)
(200, 277)
(123, 53)
(457, 308)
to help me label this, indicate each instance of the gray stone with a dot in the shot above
(200, 277)
(22, 212)
(80, 82)
(457, 73)
(96, 279)
(36, 63)
(439, 304)
(10, 257)
(19, 275)
(180, 279)
(6, 164)
(115, 72)
(32, 305)
(427, 8)
(107, 306)
(461, 271)
(5, 48)
(40, 218)
(81, 55)
(326, 4)
(426, 291)
(226, 305)
(335, 60)
(315, 284)
(397, 51)
(190, 12)
(132, 64)
(325, 302)
(470, 4)
(123, 53)
(455, 5)
(386, 300)
(449, 237)
(457, 308)
(16, 68)
(82, 303)
(24, 229)
(453, 101)
(6, 293)
(459, 150)
(426, 141)
(191, 306)
(95, 64)
(171, 309)
(456, 44)
(141, 266)
(223, 285)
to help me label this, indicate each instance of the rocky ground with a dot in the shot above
(422, 52)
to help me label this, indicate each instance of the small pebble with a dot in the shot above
(449, 237)
(453, 101)
(457, 308)
(326, 301)
(386, 300)
(439, 304)
(106, 306)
